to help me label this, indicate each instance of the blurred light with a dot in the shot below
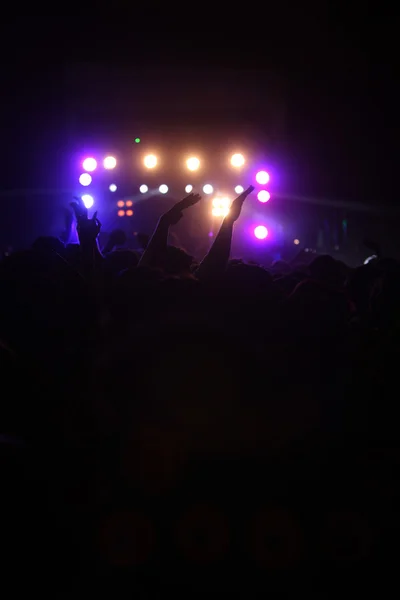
(239, 189)
(262, 177)
(237, 160)
(261, 232)
(85, 179)
(121, 213)
(143, 189)
(89, 164)
(129, 203)
(221, 207)
(211, 234)
(370, 258)
(137, 140)
(120, 203)
(163, 189)
(129, 213)
(113, 187)
(263, 196)
(208, 189)
(188, 188)
(150, 161)
(87, 200)
(296, 242)
(110, 162)
(193, 163)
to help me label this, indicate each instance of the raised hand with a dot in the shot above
(90, 228)
(237, 204)
(175, 214)
(80, 210)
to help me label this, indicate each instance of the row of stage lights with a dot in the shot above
(193, 163)
(150, 161)
(263, 196)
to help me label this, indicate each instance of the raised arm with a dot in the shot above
(88, 231)
(215, 262)
(153, 255)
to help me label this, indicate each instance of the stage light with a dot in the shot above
(129, 203)
(143, 189)
(150, 161)
(120, 203)
(239, 189)
(121, 213)
(110, 162)
(220, 207)
(193, 163)
(237, 160)
(208, 189)
(89, 164)
(261, 232)
(85, 179)
(296, 242)
(188, 188)
(129, 213)
(163, 189)
(262, 177)
(113, 187)
(87, 200)
(263, 196)
(137, 140)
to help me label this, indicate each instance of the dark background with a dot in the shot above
(327, 77)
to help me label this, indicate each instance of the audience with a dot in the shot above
(147, 389)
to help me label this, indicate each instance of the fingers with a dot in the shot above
(190, 200)
(246, 193)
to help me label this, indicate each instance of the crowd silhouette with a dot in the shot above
(204, 425)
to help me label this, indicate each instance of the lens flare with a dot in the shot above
(85, 179)
(89, 164)
(237, 160)
(110, 162)
(262, 177)
(193, 163)
(150, 161)
(87, 200)
(261, 232)
(220, 207)
(263, 196)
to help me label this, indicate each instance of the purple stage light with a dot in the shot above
(261, 232)
(262, 177)
(263, 196)
(89, 164)
(85, 179)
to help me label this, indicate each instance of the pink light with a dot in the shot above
(89, 164)
(263, 196)
(261, 232)
(262, 177)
